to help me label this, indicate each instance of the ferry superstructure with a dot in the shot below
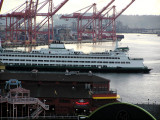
(58, 58)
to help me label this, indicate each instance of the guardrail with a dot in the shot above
(24, 100)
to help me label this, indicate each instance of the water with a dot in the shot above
(133, 87)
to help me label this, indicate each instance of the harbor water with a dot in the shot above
(133, 87)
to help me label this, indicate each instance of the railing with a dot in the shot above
(26, 100)
(3, 100)
(36, 112)
(46, 107)
(22, 100)
(136, 58)
(105, 92)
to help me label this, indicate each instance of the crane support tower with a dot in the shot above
(25, 22)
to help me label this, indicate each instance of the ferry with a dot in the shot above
(57, 58)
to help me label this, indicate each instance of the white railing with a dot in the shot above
(3, 100)
(22, 100)
(46, 107)
(36, 112)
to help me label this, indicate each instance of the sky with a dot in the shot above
(139, 7)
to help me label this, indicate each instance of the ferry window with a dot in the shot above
(46, 60)
(34, 60)
(5, 59)
(128, 62)
(16, 59)
(111, 62)
(28, 60)
(93, 65)
(40, 60)
(105, 61)
(122, 62)
(86, 65)
(52, 60)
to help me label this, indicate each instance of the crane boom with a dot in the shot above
(124, 9)
(59, 7)
(99, 13)
(118, 14)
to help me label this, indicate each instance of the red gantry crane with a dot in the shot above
(83, 20)
(111, 21)
(22, 22)
(97, 30)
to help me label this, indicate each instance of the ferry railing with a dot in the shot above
(136, 58)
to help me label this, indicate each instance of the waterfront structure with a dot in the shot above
(71, 93)
(18, 103)
(58, 58)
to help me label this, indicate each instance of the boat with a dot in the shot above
(57, 58)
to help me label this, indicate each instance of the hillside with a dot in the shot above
(144, 21)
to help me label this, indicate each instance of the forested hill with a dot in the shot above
(143, 21)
